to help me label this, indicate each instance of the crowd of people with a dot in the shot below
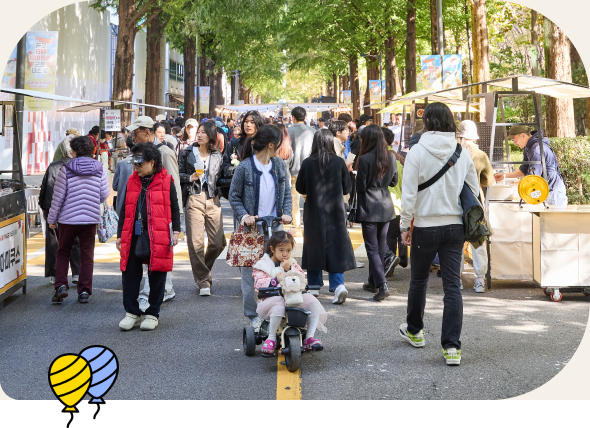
(346, 171)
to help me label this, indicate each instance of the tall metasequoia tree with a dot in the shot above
(156, 23)
(579, 77)
(355, 86)
(129, 16)
(329, 88)
(335, 87)
(560, 112)
(190, 55)
(433, 28)
(411, 47)
(481, 47)
(392, 83)
(536, 52)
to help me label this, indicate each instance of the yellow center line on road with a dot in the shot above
(288, 384)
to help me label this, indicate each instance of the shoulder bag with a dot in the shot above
(475, 223)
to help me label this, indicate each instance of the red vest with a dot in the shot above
(159, 218)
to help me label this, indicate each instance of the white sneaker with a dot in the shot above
(143, 304)
(452, 356)
(340, 295)
(315, 293)
(129, 321)
(360, 265)
(149, 322)
(169, 296)
(205, 292)
(52, 280)
(256, 322)
(75, 278)
(479, 286)
(460, 284)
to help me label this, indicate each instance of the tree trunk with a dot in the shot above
(340, 86)
(219, 89)
(481, 50)
(579, 77)
(190, 54)
(433, 28)
(469, 42)
(536, 50)
(329, 88)
(212, 85)
(232, 89)
(392, 85)
(411, 47)
(372, 74)
(355, 86)
(153, 63)
(335, 87)
(125, 54)
(560, 112)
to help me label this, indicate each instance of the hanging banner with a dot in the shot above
(375, 91)
(12, 252)
(9, 77)
(112, 120)
(431, 72)
(40, 68)
(347, 97)
(453, 73)
(204, 94)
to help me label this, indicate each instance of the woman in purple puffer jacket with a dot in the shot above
(81, 186)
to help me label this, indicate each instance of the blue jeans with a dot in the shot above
(314, 277)
(448, 242)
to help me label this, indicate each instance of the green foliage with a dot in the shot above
(573, 156)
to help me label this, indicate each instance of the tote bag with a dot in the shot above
(108, 224)
(245, 248)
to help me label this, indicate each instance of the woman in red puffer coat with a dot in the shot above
(149, 224)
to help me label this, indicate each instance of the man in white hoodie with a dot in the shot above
(438, 226)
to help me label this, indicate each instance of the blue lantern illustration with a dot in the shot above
(105, 368)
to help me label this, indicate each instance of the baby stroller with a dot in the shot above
(292, 328)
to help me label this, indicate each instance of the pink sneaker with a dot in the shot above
(312, 344)
(268, 347)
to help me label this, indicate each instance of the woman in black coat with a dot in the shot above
(324, 179)
(377, 171)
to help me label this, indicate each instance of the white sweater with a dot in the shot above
(439, 204)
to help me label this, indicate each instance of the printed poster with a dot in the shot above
(375, 91)
(41, 66)
(431, 72)
(453, 73)
(347, 97)
(9, 77)
(112, 120)
(204, 94)
(12, 252)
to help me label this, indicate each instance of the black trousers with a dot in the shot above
(132, 276)
(375, 236)
(51, 247)
(393, 241)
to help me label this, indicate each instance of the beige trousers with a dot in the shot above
(204, 214)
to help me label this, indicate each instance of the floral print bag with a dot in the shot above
(245, 248)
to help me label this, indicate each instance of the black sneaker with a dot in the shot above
(367, 286)
(61, 293)
(83, 297)
(439, 273)
(403, 261)
(390, 266)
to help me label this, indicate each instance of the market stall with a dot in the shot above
(236, 110)
(541, 243)
(13, 203)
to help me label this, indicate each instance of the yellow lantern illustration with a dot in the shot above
(69, 378)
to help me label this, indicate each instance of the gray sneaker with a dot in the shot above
(256, 322)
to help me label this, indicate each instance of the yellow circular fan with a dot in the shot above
(533, 189)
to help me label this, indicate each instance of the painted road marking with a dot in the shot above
(288, 384)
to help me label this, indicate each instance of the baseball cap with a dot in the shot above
(137, 159)
(192, 122)
(141, 122)
(73, 131)
(518, 129)
(365, 117)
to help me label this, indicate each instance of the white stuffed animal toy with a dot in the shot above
(292, 284)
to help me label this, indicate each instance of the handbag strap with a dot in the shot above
(452, 161)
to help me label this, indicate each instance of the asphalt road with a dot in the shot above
(514, 340)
